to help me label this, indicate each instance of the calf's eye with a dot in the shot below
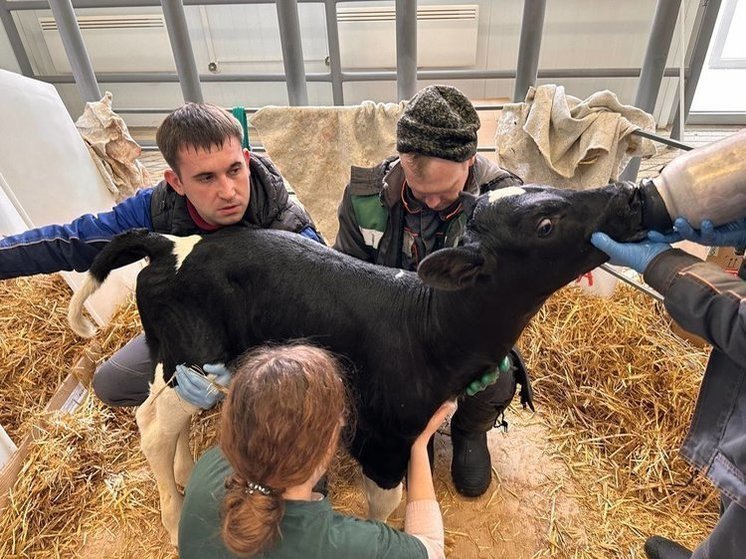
(544, 228)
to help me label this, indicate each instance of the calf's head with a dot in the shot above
(535, 237)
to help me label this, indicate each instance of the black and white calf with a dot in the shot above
(413, 340)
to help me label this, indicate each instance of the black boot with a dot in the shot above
(471, 467)
(657, 547)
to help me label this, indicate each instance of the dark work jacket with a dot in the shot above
(371, 214)
(709, 302)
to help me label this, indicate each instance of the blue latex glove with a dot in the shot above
(731, 234)
(197, 389)
(632, 255)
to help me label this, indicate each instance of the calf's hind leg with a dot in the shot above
(183, 462)
(161, 419)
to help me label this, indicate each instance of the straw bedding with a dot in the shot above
(614, 386)
(618, 389)
(33, 335)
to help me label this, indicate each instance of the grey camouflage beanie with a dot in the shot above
(438, 121)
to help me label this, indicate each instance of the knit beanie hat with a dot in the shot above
(438, 121)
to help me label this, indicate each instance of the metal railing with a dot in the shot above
(650, 74)
(406, 75)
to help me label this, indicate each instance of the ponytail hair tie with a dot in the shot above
(251, 487)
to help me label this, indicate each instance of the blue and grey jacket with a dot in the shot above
(709, 302)
(73, 246)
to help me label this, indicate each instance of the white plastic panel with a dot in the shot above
(47, 175)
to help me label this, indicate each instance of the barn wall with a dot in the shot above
(245, 38)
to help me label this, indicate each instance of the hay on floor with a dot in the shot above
(614, 384)
(85, 489)
(36, 347)
(619, 388)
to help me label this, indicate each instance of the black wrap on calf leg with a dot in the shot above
(482, 411)
(520, 372)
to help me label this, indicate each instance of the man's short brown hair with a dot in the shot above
(197, 126)
(417, 162)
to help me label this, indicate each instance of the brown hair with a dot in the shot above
(417, 162)
(280, 424)
(195, 126)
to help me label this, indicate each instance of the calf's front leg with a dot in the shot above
(381, 502)
(161, 419)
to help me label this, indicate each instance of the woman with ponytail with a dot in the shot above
(253, 495)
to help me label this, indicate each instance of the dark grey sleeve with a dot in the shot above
(703, 299)
(508, 179)
(292, 216)
(298, 216)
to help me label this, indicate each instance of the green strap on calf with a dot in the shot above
(489, 377)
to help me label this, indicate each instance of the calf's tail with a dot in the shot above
(124, 249)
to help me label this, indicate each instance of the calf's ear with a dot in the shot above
(451, 269)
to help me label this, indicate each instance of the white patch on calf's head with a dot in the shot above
(182, 247)
(495, 195)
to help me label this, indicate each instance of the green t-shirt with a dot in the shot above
(310, 529)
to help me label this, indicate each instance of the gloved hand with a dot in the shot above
(489, 377)
(198, 389)
(632, 255)
(731, 234)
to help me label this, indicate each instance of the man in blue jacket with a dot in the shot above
(212, 182)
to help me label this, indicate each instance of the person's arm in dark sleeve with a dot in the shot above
(307, 227)
(703, 299)
(502, 179)
(509, 179)
(301, 221)
(349, 238)
(73, 246)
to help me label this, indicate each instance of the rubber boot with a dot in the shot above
(471, 467)
(657, 547)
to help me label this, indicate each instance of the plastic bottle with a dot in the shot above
(706, 183)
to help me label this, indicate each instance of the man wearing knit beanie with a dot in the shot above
(439, 122)
(401, 210)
